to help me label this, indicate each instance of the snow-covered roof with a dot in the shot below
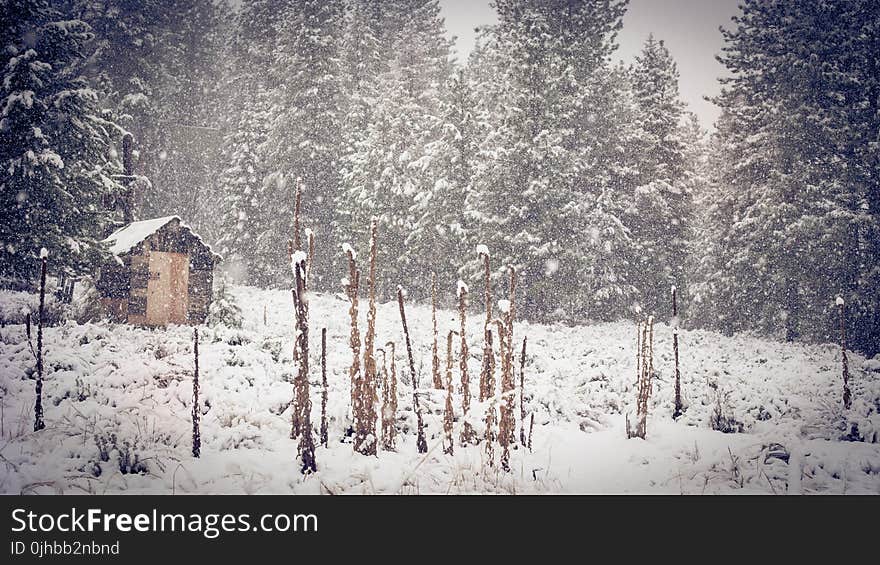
(126, 238)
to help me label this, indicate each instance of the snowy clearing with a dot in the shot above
(117, 403)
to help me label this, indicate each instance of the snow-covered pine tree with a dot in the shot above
(660, 218)
(387, 170)
(797, 208)
(155, 64)
(364, 53)
(305, 113)
(542, 182)
(183, 172)
(609, 169)
(438, 240)
(243, 202)
(56, 162)
(364, 56)
(124, 66)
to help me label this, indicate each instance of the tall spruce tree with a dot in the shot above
(544, 195)
(392, 169)
(660, 219)
(56, 159)
(245, 127)
(797, 213)
(304, 129)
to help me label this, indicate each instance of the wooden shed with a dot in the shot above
(162, 274)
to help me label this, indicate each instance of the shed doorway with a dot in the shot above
(167, 288)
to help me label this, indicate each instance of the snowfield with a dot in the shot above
(117, 403)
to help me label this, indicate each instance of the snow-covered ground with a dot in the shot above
(118, 398)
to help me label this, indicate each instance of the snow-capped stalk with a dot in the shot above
(467, 431)
(324, 436)
(306, 448)
(507, 421)
(531, 429)
(847, 395)
(297, 209)
(447, 414)
(645, 380)
(38, 405)
(435, 354)
(522, 392)
(487, 343)
(354, 340)
(511, 312)
(489, 435)
(677, 411)
(295, 409)
(292, 247)
(487, 374)
(638, 352)
(421, 443)
(509, 317)
(310, 241)
(197, 435)
(365, 400)
(389, 401)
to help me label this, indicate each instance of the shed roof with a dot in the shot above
(124, 239)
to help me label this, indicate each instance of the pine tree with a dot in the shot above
(796, 212)
(244, 202)
(662, 206)
(155, 64)
(542, 182)
(55, 144)
(304, 128)
(438, 237)
(386, 173)
(182, 175)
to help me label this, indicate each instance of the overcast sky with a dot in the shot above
(688, 27)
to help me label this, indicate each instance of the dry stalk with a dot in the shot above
(324, 437)
(522, 393)
(365, 439)
(421, 443)
(467, 433)
(448, 414)
(435, 354)
(509, 390)
(197, 436)
(389, 401)
(485, 385)
(490, 418)
(847, 394)
(531, 429)
(645, 384)
(507, 421)
(678, 408)
(310, 261)
(306, 448)
(38, 405)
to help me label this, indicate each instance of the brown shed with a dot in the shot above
(163, 274)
